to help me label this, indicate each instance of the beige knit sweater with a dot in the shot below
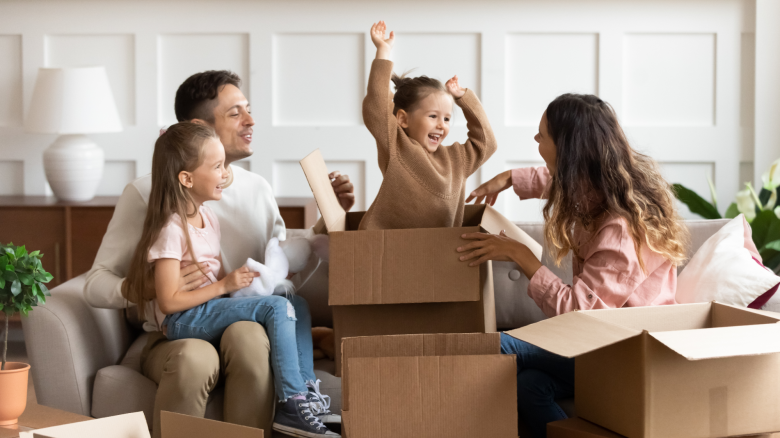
(420, 190)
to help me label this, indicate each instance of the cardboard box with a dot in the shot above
(134, 426)
(409, 281)
(579, 428)
(441, 385)
(681, 371)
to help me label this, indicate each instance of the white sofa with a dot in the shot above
(87, 361)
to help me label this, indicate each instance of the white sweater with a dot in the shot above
(248, 217)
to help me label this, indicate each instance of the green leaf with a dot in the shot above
(35, 289)
(775, 244)
(49, 277)
(764, 196)
(696, 203)
(1, 308)
(732, 211)
(26, 279)
(20, 251)
(3, 261)
(10, 275)
(44, 289)
(2, 282)
(34, 253)
(761, 226)
(16, 287)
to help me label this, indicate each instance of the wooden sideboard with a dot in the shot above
(69, 233)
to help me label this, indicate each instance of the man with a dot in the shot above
(187, 370)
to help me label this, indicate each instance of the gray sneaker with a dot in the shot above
(320, 403)
(295, 418)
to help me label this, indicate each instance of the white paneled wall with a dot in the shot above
(680, 75)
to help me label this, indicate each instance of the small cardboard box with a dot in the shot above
(680, 371)
(441, 385)
(409, 281)
(579, 428)
(134, 426)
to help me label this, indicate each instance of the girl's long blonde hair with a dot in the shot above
(179, 149)
(597, 171)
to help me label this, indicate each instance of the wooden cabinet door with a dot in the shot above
(41, 229)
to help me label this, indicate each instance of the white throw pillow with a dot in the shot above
(723, 269)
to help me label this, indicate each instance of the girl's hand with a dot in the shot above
(383, 46)
(489, 191)
(239, 279)
(500, 248)
(454, 88)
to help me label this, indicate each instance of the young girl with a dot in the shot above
(611, 207)
(424, 183)
(188, 170)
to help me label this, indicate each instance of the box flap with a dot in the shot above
(173, 425)
(433, 396)
(746, 340)
(493, 222)
(120, 426)
(573, 334)
(317, 175)
(414, 345)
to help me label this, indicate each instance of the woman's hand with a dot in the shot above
(239, 279)
(383, 46)
(500, 248)
(454, 87)
(489, 191)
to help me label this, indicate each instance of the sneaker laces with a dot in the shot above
(310, 415)
(319, 403)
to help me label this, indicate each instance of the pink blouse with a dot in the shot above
(606, 268)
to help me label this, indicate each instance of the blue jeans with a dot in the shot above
(287, 322)
(542, 377)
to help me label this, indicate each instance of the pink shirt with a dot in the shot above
(172, 243)
(606, 268)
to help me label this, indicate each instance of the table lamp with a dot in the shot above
(73, 102)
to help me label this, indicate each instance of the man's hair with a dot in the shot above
(197, 96)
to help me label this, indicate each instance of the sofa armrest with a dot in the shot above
(68, 341)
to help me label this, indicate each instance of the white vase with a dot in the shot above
(74, 167)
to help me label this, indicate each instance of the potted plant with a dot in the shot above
(22, 286)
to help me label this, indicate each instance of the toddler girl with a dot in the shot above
(187, 170)
(424, 183)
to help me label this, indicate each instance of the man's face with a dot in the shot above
(233, 123)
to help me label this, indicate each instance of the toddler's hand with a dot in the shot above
(239, 279)
(454, 88)
(378, 37)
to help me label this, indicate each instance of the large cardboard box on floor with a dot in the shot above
(410, 281)
(134, 426)
(579, 428)
(434, 385)
(680, 371)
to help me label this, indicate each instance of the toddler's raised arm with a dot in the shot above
(378, 103)
(481, 143)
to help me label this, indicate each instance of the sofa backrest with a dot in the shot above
(514, 308)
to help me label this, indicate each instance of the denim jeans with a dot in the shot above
(542, 377)
(287, 322)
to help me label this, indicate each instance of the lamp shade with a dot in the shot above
(72, 101)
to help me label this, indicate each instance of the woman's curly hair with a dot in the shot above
(595, 162)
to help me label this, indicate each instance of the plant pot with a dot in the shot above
(13, 392)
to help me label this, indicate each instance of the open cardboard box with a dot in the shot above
(433, 385)
(579, 428)
(134, 426)
(409, 281)
(680, 371)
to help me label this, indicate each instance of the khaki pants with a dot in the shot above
(187, 370)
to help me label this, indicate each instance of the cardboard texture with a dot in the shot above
(120, 426)
(579, 428)
(410, 281)
(692, 370)
(439, 385)
(175, 425)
